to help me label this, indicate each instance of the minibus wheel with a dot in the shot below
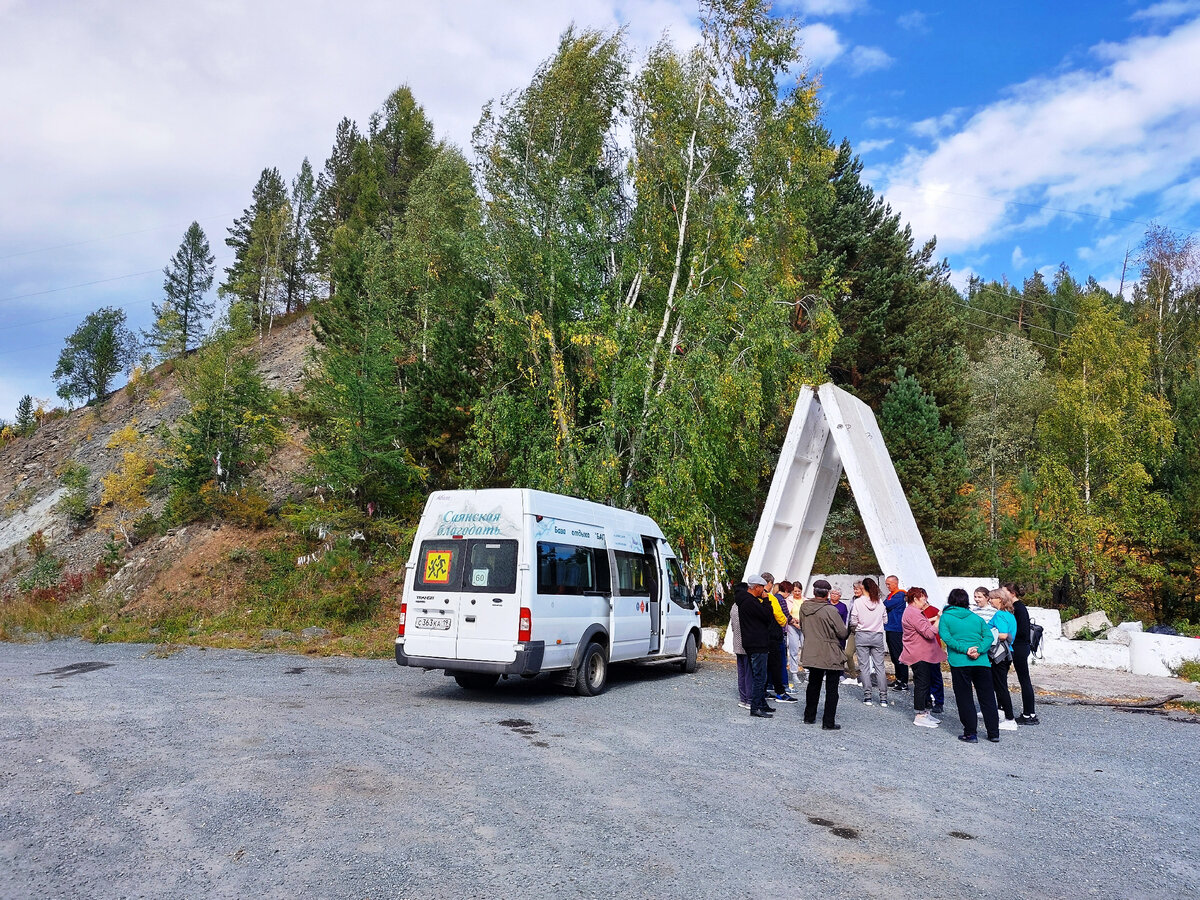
(687, 665)
(593, 671)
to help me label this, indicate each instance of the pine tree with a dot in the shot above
(96, 351)
(931, 464)
(260, 238)
(179, 321)
(299, 264)
(25, 422)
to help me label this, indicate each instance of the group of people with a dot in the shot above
(780, 638)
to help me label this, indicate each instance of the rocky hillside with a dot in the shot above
(30, 488)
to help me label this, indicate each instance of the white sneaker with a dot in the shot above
(925, 721)
(743, 705)
(934, 718)
(883, 704)
(1008, 725)
(867, 701)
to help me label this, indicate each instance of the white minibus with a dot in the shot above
(509, 581)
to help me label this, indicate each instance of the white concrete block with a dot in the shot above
(1118, 636)
(1049, 619)
(1086, 654)
(1130, 626)
(1095, 622)
(1158, 654)
(710, 638)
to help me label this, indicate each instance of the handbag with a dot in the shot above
(1036, 632)
(999, 653)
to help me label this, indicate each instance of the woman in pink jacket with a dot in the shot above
(923, 651)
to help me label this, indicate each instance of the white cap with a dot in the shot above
(755, 579)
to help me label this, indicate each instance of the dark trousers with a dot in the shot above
(895, 645)
(775, 670)
(923, 674)
(812, 696)
(937, 686)
(1021, 666)
(745, 680)
(1000, 686)
(964, 678)
(758, 680)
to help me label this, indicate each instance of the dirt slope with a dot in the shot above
(29, 485)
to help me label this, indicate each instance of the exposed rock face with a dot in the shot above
(29, 467)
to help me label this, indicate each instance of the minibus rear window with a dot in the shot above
(475, 566)
(491, 567)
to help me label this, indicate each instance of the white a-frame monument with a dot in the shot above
(831, 430)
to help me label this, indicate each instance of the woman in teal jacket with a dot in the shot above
(967, 638)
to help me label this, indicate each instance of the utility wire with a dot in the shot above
(107, 237)
(1006, 333)
(72, 315)
(1017, 298)
(71, 287)
(1018, 322)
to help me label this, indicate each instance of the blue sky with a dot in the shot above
(1022, 135)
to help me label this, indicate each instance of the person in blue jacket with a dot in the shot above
(1004, 627)
(893, 630)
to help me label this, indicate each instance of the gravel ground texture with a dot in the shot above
(124, 773)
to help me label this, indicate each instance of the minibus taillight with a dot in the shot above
(525, 625)
(403, 616)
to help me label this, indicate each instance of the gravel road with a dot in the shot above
(232, 774)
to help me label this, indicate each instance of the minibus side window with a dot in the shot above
(564, 569)
(491, 567)
(679, 589)
(439, 566)
(633, 574)
(603, 578)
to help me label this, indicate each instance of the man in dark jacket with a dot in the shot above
(756, 619)
(822, 655)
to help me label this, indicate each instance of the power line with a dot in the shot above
(73, 315)
(71, 287)
(1020, 297)
(106, 238)
(1007, 333)
(1017, 321)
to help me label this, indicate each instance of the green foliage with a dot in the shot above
(74, 504)
(95, 352)
(179, 321)
(1008, 392)
(44, 573)
(1189, 670)
(1098, 439)
(932, 466)
(25, 423)
(229, 430)
(649, 348)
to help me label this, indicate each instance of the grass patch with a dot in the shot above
(1189, 670)
(257, 599)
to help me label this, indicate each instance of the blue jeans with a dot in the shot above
(758, 681)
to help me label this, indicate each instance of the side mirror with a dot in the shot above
(697, 596)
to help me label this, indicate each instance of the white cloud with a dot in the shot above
(891, 123)
(826, 7)
(865, 147)
(1019, 259)
(936, 126)
(1088, 141)
(915, 21)
(868, 59)
(139, 116)
(1168, 9)
(822, 44)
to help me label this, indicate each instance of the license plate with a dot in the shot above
(436, 624)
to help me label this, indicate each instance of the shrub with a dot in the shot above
(74, 504)
(1189, 670)
(44, 574)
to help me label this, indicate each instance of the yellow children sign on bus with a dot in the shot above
(437, 567)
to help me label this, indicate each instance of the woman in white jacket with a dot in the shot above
(867, 619)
